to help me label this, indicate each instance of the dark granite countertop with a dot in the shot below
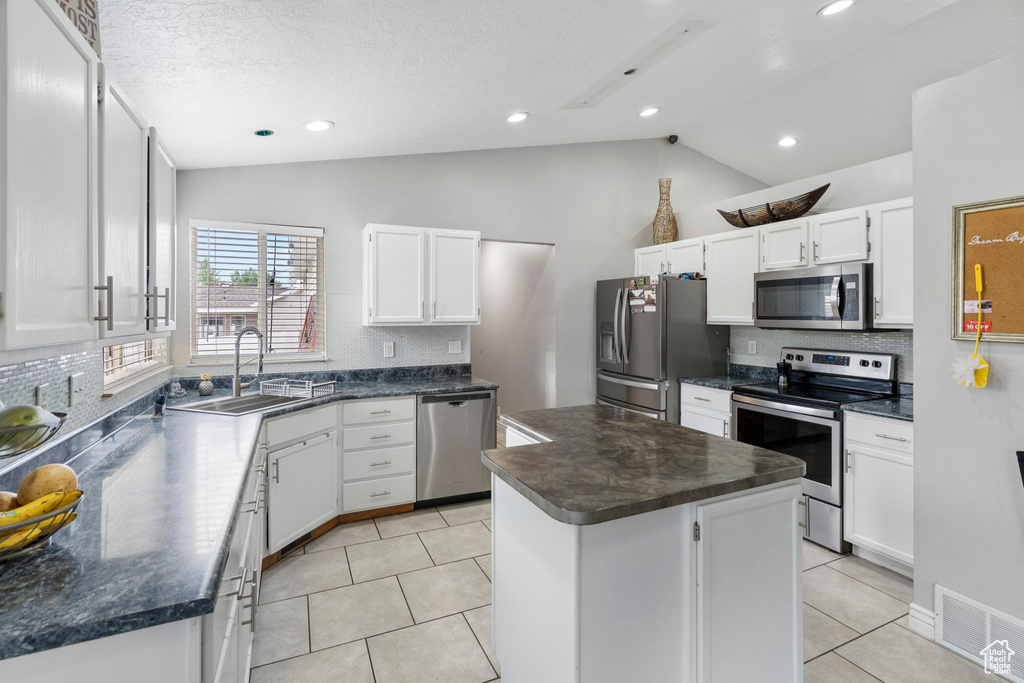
(154, 525)
(603, 463)
(900, 408)
(724, 382)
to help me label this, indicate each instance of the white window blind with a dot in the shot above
(123, 361)
(265, 276)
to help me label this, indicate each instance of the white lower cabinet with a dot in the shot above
(378, 453)
(303, 488)
(879, 481)
(705, 409)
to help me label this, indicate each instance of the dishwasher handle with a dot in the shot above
(456, 400)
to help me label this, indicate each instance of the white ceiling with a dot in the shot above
(415, 76)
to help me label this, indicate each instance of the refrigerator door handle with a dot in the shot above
(615, 327)
(622, 330)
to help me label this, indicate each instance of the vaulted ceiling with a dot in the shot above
(415, 76)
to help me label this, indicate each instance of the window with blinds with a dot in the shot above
(123, 361)
(250, 275)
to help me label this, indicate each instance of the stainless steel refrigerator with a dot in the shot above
(649, 334)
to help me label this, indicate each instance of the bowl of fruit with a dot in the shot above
(23, 428)
(45, 502)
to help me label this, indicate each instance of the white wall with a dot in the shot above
(595, 202)
(968, 498)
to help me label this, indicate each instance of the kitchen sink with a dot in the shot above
(242, 405)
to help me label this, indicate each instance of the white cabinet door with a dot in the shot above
(162, 231)
(879, 506)
(685, 256)
(840, 236)
(49, 195)
(784, 245)
(303, 489)
(892, 229)
(394, 271)
(732, 259)
(454, 276)
(514, 437)
(650, 260)
(739, 611)
(124, 141)
(704, 420)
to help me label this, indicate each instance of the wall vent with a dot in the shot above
(967, 627)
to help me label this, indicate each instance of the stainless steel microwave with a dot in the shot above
(822, 298)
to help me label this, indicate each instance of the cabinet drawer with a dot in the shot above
(379, 435)
(378, 493)
(708, 399)
(388, 410)
(300, 425)
(379, 462)
(880, 432)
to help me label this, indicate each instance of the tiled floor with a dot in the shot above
(407, 598)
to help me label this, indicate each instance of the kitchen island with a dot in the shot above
(626, 548)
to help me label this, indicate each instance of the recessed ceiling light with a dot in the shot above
(787, 141)
(263, 132)
(317, 126)
(650, 111)
(518, 116)
(835, 7)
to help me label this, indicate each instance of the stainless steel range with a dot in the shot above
(804, 419)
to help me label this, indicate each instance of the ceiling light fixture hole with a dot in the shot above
(630, 72)
(650, 111)
(835, 7)
(787, 141)
(518, 116)
(317, 126)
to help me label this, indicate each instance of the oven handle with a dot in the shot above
(787, 407)
(836, 312)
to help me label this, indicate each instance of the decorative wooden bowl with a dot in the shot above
(773, 212)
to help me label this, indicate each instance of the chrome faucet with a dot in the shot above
(238, 385)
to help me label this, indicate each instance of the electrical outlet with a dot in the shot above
(455, 347)
(76, 388)
(43, 395)
(389, 349)
(752, 347)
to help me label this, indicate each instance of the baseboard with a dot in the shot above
(884, 561)
(922, 621)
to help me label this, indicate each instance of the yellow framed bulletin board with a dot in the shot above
(992, 234)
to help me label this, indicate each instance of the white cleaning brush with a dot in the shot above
(964, 368)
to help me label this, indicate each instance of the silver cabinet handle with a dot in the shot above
(669, 269)
(385, 493)
(155, 297)
(380, 464)
(109, 317)
(815, 251)
(379, 412)
(382, 436)
(421, 308)
(433, 310)
(277, 471)
(701, 398)
(804, 503)
(849, 460)
(878, 309)
(890, 438)
(662, 267)
(167, 305)
(241, 580)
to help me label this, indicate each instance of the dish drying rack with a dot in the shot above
(17, 440)
(295, 388)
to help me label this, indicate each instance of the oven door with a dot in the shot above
(812, 434)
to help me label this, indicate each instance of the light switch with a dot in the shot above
(76, 388)
(389, 349)
(455, 347)
(752, 347)
(43, 395)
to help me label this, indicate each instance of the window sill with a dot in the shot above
(127, 383)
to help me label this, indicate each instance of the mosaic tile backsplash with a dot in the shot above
(771, 342)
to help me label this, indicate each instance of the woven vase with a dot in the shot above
(665, 227)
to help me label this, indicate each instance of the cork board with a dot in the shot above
(992, 234)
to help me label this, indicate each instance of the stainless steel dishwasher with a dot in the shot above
(451, 430)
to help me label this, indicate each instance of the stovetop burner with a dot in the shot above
(798, 392)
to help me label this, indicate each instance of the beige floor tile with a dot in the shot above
(821, 633)
(448, 589)
(849, 601)
(485, 563)
(302, 574)
(359, 611)
(833, 669)
(896, 655)
(487, 523)
(349, 663)
(409, 523)
(442, 650)
(904, 621)
(480, 621)
(815, 555)
(386, 558)
(345, 534)
(462, 513)
(283, 631)
(457, 542)
(885, 580)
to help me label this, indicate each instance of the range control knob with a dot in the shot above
(799, 357)
(789, 356)
(864, 363)
(876, 364)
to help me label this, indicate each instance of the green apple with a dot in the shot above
(21, 416)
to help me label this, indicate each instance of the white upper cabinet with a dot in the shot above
(685, 256)
(650, 260)
(162, 231)
(784, 245)
(454, 276)
(840, 236)
(124, 140)
(394, 268)
(49, 194)
(892, 232)
(732, 259)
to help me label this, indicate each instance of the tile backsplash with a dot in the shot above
(771, 342)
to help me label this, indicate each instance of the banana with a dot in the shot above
(40, 506)
(69, 498)
(23, 537)
(26, 536)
